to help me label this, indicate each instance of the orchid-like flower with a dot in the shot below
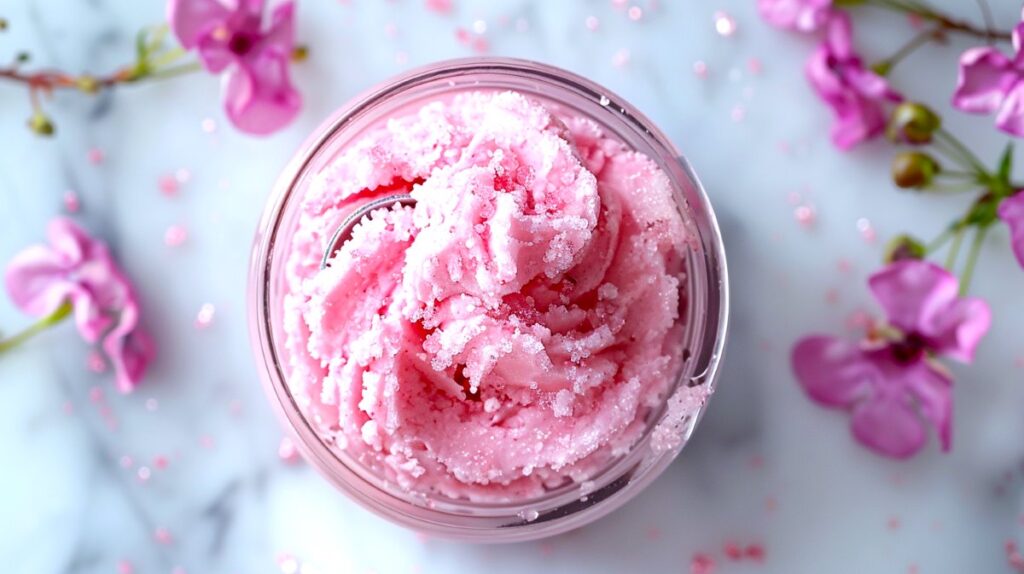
(990, 81)
(856, 95)
(892, 383)
(77, 270)
(230, 37)
(1011, 211)
(801, 15)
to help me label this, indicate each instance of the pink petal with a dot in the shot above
(802, 15)
(956, 330)
(282, 27)
(933, 390)
(258, 95)
(214, 54)
(1010, 117)
(833, 372)
(913, 292)
(1011, 211)
(889, 425)
(857, 119)
(190, 20)
(129, 348)
(839, 36)
(985, 76)
(68, 239)
(37, 281)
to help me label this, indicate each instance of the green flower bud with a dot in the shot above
(914, 170)
(3, 24)
(40, 124)
(913, 123)
(904, 247)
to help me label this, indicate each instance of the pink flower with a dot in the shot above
(802, 15)
(989, 82)
(229, 35)
(893, 386)
(857, 95)
(78, 269)
(1011, 211)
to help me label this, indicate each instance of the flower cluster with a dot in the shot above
(892, 381)
(76, 274)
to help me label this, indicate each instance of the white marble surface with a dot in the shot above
(765, 466)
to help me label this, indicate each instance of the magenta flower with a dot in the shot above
(856, 95)
(230, 37)
(802, 15)
(990, 82)
(1011, 211)
(78, 270)
(893, 385)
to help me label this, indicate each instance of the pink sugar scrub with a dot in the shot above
(514, 330)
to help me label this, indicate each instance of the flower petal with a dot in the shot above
(1010, 117)
(258, 94)
(190, 20)
(933, 389)
(802, 15)
(985, 76)
(833, 372)
(912, 292)
(1011, 211)
(857, 119)
(839, 36)
(37, 281)
(129, 349)
(956, 330)
(889, 425)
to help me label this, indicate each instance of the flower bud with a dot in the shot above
(914, 170)
(87, 84)
(300, 53)
(904, 247)
(913, 123)
(3, 24)
(41, 124)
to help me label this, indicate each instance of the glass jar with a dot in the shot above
(704, 316)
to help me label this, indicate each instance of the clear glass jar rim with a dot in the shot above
(484, 526)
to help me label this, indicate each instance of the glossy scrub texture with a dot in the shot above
(512, 331)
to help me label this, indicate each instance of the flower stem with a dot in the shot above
(939, 241)
(962, 151)
(39, 326)
(972, 259)
(954, 250)
(945, 22)
(883, 67)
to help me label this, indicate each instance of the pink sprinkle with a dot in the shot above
(621, 58)
(95, 156)
(183, 175)
(893, 523)
(390, 30)
(522, 25)
(287, 452)
(152, 404)
(844, 265)
(771, 504)
(168, 184)
(422, 537)
(619, 4)
(858, 320)
(439, 6)
(702, 564)
(1014, 557)
(635, 13)
(832, 296)
(175, 236)
(144, 473)
(653, 533)
(867, 231)
(912, 569)
(68, 408)
(733, 551)
(71, 202)
(785, 148)
(480, 45)
(95, 362)
(738, 113)
(462, 35)
(125, 567)
(480, 26)
(401, 57)
(754, 552)
(725, 25)
(208, 125)
(206, 441)
(160, 462)
(179, 570)
(794, 198)
(1019, 362)
(805, 216)
(287, 563)
(96, 394)
(592, 23)
(756, 462)
(547, 549)
(205, 316)
(126, 461)
(755, 66)
(700, 69)
(162, 536)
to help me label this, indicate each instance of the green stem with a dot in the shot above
(883, 67)
(175, 71)
(972, 259)
(963, 150)
(954, 250)
(939, 241)
(944, 22)
(39, 326)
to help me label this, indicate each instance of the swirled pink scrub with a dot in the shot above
(514, 329)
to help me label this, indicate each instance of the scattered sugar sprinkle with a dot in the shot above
(439, 6)
(125, 567)
(208, 125)
(725, 25)
(168, 184)
(805, 216)
(522, 25)
(71, 202)
(162, 536)
(867, 231)
(96, 394)
(205, 316)
(893, 523)
(738, 113)
(126, 461)
(700, 69)
(401, 57)
(95, 156)
(702, 563)
(152, 405)
(175, 236)
(287, 563)
(287, 452)
(480, 26)
(160, 462)
(95, 362)
(144, 473)
(635, 13)
(621, 58)
(732, 550)
(592, 23)
(754, 66)
(604, 100)
(206, 441)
